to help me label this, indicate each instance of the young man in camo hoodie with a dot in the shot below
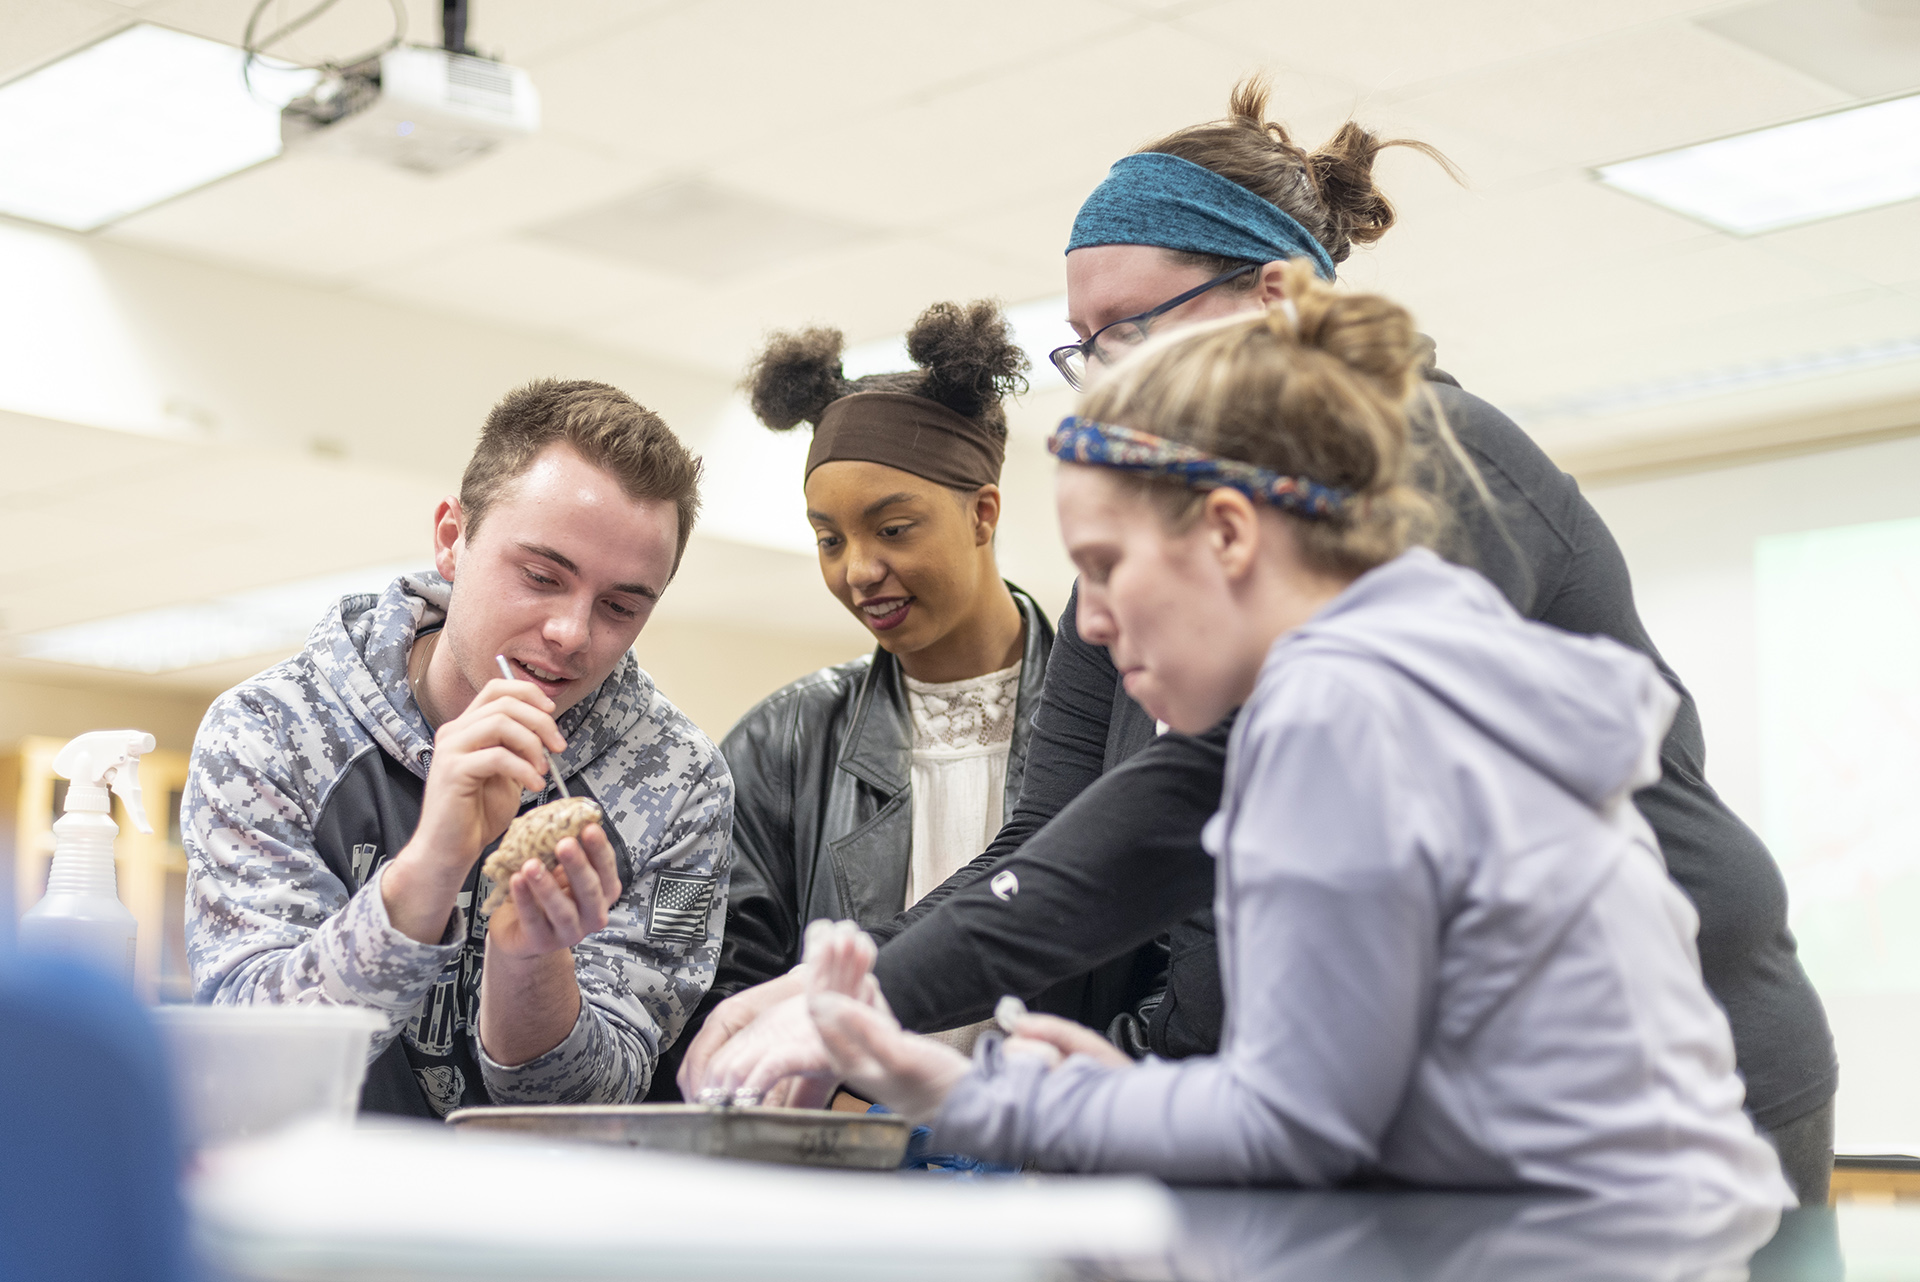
(339, 804)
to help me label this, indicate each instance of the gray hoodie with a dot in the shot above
(307, 779)
(1451, 955)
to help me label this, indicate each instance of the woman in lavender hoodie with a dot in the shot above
(1450, 953)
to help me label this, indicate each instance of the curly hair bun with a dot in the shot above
(970, 357)
(968, 362)
(796, 377)
(1328, 191)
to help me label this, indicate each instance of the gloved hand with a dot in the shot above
(867, 1048)
(1053, 1039)
(777, 1058)
(728, 1020)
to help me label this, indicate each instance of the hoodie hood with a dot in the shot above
(360, 649)
(1586, 712)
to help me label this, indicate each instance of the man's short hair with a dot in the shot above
(607, 427)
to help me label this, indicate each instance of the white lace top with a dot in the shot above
(962, 732)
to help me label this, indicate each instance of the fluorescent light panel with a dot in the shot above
(1791, 174)
(136, 119)
(264, 621)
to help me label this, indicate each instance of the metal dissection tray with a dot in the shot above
(792, 1136)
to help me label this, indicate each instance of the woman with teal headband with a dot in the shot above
(1196, 225)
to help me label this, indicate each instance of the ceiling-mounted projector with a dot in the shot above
(422, 109)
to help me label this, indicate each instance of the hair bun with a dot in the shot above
(796, 376)
(969, 355)
(1329, 191)
(1368, 333)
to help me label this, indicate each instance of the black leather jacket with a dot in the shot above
(823, 807)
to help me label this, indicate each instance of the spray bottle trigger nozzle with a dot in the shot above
(103, 759)
(126, 783)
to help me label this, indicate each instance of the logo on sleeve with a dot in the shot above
(681, 903)
(1004, 884)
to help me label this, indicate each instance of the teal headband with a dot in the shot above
(1151, 198)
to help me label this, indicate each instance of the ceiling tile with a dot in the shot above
(34, 32)
(1849, 46)
(1032, 232)
(1878, 245)
(1025, 133)
(343, 220)
(190, 522)
(693, 230)
(1657, 86)
(1649, 338)
(45, 467)
(1448, 237)
(1884, 396)
(868, 293)
(732, 76)
(1789, 331)
(1162, 8)
(344, 31)
(1381, 45)
(527, 284)
(1517, 338)
(527, 35)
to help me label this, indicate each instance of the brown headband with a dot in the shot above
(911, 433)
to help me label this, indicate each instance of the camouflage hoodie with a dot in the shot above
(308, 778)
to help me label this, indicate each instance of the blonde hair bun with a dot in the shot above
(1318, 390)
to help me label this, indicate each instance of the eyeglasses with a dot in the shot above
(1110, 342)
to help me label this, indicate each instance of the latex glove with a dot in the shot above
(1053, 1039)
(777, 1058)
(728, 1020)
(867, 1048)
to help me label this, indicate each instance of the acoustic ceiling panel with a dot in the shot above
(1866, 47)
(700, 231)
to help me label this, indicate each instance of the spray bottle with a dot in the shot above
(81, 914)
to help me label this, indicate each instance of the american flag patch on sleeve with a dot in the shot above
(681, 902)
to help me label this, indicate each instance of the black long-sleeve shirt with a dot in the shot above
(1104, 843)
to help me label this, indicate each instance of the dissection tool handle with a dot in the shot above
(553, 768)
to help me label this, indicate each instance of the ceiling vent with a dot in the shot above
(701, 232)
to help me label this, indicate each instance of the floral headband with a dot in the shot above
(1082, 440)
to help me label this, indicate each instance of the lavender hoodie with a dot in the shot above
(1450, 952)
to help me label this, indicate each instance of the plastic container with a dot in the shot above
(246, 1070)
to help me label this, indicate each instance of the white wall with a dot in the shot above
(1689, 540)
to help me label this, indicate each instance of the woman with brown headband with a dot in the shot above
(861, 787)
